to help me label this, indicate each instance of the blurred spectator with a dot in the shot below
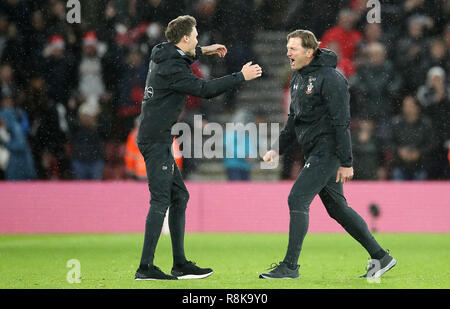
(87, 158)
(413, 6)
(10, 45)
(411, 141)
(373, 86)
(423, 9)
(435, 92)
(106, 29)
(7, 84)
(90, 69)
(345, 65)
(239, 165)
(8, 90)
(19, 164)
(410, 54)
(368, 159)
(58, 69)
(35, 104)
(56, 20)
(49, 129)
(434, 98)
(18, 12)
(373, 33)
(132, 89)
(134, 161)
(34, 45)
(344, 34)
(121, 8)
(113, 65)
(438, 55)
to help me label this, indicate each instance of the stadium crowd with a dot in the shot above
(70, 93)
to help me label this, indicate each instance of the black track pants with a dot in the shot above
(319, 177)
(167, 189)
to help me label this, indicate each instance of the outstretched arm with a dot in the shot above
(184, 81)
(214, 49)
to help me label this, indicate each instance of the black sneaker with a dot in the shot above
(281, 271)
(189, 270)
(376, 268)
(152, 273)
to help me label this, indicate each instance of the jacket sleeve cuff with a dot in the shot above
(240, 76)
(198, 52)
(346, 164)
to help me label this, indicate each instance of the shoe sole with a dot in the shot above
(382, 271)
(146, 279)
(262, 276)
(194, 276)
(139, 279)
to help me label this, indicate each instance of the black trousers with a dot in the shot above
(167, 191)
(318, 176)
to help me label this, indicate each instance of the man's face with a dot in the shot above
(298, 56)
(192, 42)
(90, 50)
(410, 109)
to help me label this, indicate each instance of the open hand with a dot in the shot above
(251, 71)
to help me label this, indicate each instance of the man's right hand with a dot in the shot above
(251, 71)
(271, 157)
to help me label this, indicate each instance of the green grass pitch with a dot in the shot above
(328, 261)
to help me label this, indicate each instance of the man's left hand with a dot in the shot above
(215, 49)
(344, 174)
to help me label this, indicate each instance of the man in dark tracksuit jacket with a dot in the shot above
(169, 82)
(319, 118)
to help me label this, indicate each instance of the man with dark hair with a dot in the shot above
(319, 117)
(169, 82)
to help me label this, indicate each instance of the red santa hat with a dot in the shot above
(90, 39)
(56, 42)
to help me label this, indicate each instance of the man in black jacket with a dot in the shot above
(169, 82)
(319, 118)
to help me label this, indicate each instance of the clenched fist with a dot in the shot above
(271, 157)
